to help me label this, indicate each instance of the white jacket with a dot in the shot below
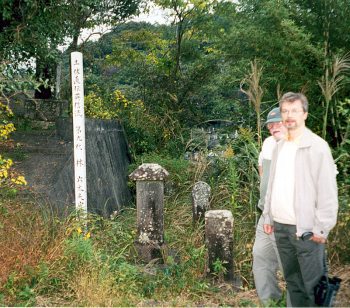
(316, 194)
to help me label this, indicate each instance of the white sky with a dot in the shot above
(155, 15)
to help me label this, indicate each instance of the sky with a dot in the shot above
(155, 15)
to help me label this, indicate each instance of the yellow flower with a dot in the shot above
(20, 180)
(229, 152)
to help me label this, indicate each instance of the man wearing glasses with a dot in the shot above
(301, 201)
(265, 256)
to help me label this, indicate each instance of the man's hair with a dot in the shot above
(291, 97)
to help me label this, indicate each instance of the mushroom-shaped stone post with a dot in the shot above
(219, 241)
(150, 210)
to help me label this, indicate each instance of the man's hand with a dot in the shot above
(268, 229)
(317, 239)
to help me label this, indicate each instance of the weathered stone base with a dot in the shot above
(149, 252)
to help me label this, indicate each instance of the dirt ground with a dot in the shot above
(343, 296)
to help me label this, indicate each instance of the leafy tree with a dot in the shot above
(35, 28)
(186, 14)
(325, 20)
(193, 67)
(11, 81)
(88, 14)
(264, 30)
(30, 28)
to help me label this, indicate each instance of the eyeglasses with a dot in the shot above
(292, 111)
(273, 124)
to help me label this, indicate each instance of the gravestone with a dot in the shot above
(200, 200)
(219, 241)
(150, 210)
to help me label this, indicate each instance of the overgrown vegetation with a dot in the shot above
(51, 261)
(55, 262)
(165, 83)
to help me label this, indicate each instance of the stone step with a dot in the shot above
(45, 142)
(46, 150)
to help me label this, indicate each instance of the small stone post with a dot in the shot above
(150, 204)
(219, 240)
(200, 200)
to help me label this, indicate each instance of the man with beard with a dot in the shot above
(301, 201)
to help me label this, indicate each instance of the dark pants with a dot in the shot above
(302, 262)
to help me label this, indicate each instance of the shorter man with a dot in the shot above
(265, 255)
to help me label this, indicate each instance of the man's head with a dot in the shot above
(274, 124)
(294, 107)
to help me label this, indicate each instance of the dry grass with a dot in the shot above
(25, 237)
(343, 296)
(113, 278)
(254, 92)
(30, 237)
(95, 288)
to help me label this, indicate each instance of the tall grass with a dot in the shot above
(255, 92)
(29, 237)
(51, 261)
(331, 82)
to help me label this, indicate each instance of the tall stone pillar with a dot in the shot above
(150, 210)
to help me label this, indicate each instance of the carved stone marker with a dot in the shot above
(219, 241)
(150, 210)
(200, 200)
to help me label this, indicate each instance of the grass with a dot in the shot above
(52, 261)
(49, 261)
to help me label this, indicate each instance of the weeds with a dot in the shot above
(47, 261)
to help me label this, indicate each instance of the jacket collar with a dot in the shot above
(306, 137)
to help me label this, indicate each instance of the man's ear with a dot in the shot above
(305, 115)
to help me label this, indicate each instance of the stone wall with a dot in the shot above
(107, 159)
(38, 109)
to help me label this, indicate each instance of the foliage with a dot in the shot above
(11, 82)
(98, 266)
(89, 14)
(330, 85)
(195, 74)
(187, 15)
(28, 27)
(180, 179)
(71, 268)
(32, 31)
(162, 82)
(36, 27)
(9, 177)
(324, 20)
(145, 130)
(344, 121)
(338, 250)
